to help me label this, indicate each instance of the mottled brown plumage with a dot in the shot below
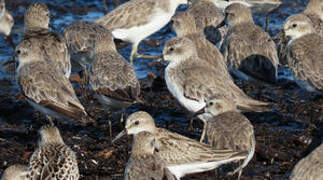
(304, 52)
(183, 24)
(310, 167)
(313, 11)
(111, 76)
(207, 16)
(53, 159)
(196, 81)
(228, 129)
(51, 45)
(80, 38)
(47, 89)
(144, 163)
(247, 48)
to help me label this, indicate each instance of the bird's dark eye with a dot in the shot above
(18, 52)
(211, 103)
(137, 123)
(294, 25)
(171, 49)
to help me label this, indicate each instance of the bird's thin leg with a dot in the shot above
(133, 52)
(203, 133)
(191, 124)
(86, 80)
(110, 128)
(50, 119)
(267, 22)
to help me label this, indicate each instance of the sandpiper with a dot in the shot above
(257, 6)
(207, 17)
(144, 163)
(304, 52)
(193, 81)
(50, 44)
(45, 87)
(16, 172)
(310, 167)
(6, 22)
(135, 20)
(184, 26)
(182, 155)
(314, 11)
(80, 37)
(53, 159)
(249, 51)
(111, 77)
(228, 129)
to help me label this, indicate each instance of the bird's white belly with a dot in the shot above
(137, 33)
(178, 93)
(190, 168)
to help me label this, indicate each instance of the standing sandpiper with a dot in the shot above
(45, 87)
(249, 51)
(53, 159)
(228, 129)
(182, 155)
(310, 167)
(135, 20)
(184, 26)
(313, 11)
(50, 45)
(193, 81)
(111, 77)
(144, 163)
(304, 52)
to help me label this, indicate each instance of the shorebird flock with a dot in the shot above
(216, 42)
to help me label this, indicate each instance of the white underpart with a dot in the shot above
(137, 33)
(190, 168)
(223, 4)
(178, 93)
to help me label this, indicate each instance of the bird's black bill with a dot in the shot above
(201, 111)
(221, 24)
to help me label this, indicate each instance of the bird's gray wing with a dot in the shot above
(306, 61)
(112, 76)
(129, 14)
(45, 85)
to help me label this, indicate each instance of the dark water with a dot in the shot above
(297, 114)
